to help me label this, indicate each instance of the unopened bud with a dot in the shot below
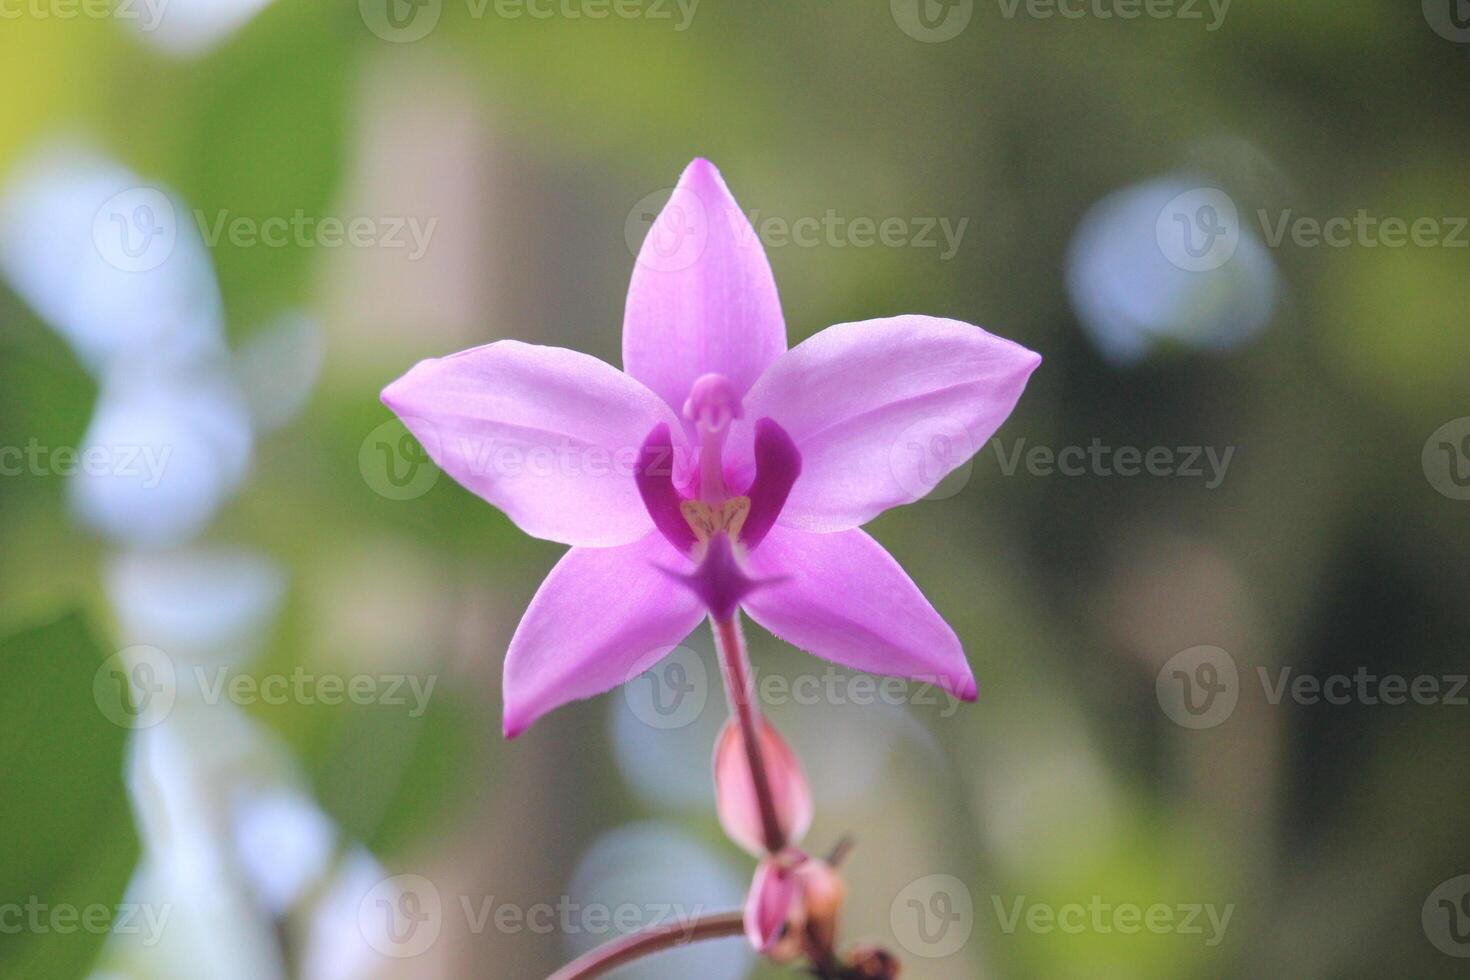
(735, 793)
(773, 899)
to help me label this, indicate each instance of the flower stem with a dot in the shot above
(639, 944)
(736, 669)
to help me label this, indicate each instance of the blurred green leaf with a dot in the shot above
(66, 836)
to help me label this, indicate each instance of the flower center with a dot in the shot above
(713, 403)
(690, 524)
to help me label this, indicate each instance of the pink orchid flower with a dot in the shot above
(717, 455)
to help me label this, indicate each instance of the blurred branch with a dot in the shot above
(639, 944)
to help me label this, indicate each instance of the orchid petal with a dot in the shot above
(601, 618)
(654, 475)
(702, 299)
(882, 410)
(548, 435)
(777, 465)
(846, 599)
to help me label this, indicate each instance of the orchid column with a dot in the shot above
(752, 469)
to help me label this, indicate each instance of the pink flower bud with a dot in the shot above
(773, 898)
(735, 795)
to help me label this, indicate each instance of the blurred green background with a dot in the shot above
(527, 143)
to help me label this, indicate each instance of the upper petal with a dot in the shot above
(844, 598)
(548, 435)
(603, 616)
(882, 410)
(702, 299)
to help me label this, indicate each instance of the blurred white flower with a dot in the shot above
(113, 263)
(168, 450)
(190, 27)
(204, 605)
(1169, 260)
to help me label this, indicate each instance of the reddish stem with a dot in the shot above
(639, 944)
(736, 669)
